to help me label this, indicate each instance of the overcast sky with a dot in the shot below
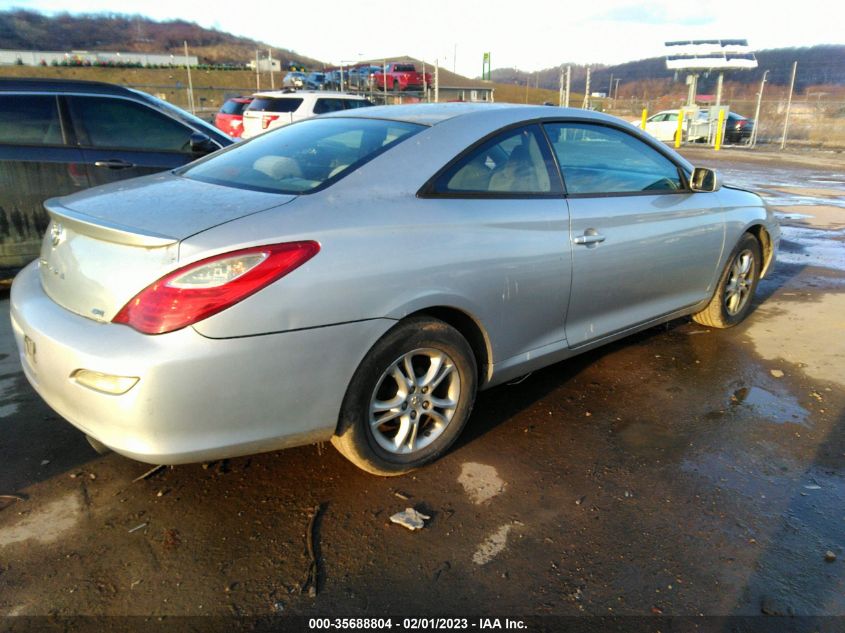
(527, 34)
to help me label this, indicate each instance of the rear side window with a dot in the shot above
(351, 104)
(514, 162)
(596, 159)
(302, 157)
(30, 120)
(275, 105)
(105, 122)
(328, 105)
(233, 107)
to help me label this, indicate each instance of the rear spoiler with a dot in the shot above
(104, 230)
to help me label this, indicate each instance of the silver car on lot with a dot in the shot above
(359, 276)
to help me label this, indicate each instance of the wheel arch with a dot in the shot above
(471, 330)
(766, 245)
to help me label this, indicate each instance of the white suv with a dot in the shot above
(270, 110)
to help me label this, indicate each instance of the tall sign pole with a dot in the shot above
(270, 62)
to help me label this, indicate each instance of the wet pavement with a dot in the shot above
(682, 471)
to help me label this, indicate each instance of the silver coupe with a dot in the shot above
(359, 276)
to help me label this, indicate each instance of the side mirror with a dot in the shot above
(202, 144)
(704, 179)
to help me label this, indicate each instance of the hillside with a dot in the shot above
(29, 30)
(817, 65)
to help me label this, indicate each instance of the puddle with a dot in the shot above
(480, 482)
(492, 546)
(812, 247)
(782, 409)
(46, 524)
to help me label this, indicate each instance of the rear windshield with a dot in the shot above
(404, 68)
(302, 157)
(233, 107)
(288, 104)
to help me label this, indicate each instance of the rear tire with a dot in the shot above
(731, 301)
(409, 399)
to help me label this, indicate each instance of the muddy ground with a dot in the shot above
(682, 471)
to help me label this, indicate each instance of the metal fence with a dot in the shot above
(813, 120)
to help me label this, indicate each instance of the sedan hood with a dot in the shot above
(106, 244)
(165, 205)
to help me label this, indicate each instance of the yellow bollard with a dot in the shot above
(680, 131)
(645, 116)
(719, 131)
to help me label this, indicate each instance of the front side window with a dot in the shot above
(106, 122)
(29, 120)
(512, 162)
(596, 159)
(302, 157)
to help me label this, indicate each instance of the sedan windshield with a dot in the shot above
(303, 157)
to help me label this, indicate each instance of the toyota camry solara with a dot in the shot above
(359, 277)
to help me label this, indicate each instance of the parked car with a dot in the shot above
(270, 110)
(316, 81)
(664, 126)
(230, 118)
(294, 79)
(738, 129)
(401, 76)
(358, 276)
(60, 136)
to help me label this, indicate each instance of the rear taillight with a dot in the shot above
(206, 287)
(267, 119)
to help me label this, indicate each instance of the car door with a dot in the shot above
(644, 245)
(507, 205)
(38, 160)
(121, 138)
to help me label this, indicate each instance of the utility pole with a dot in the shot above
(610, 87)
(586, 104)
(616, 90)
(568, 82)
(527, 84)
(270, 61)
(436, 80)
(757, 111)
(190, 83)
(560, 91)
(257, 73)
(788, 106)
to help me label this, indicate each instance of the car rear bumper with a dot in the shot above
(197, 398)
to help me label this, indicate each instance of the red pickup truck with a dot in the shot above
(402, 76)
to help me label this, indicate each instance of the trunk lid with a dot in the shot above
(106, 244)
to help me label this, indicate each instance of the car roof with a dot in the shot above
(293, 94)
(434, 113)
(27, 84)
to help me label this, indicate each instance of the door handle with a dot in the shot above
(114, 163)
(591, 237)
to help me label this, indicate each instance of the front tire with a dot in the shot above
(731, 301)
(409, 399)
